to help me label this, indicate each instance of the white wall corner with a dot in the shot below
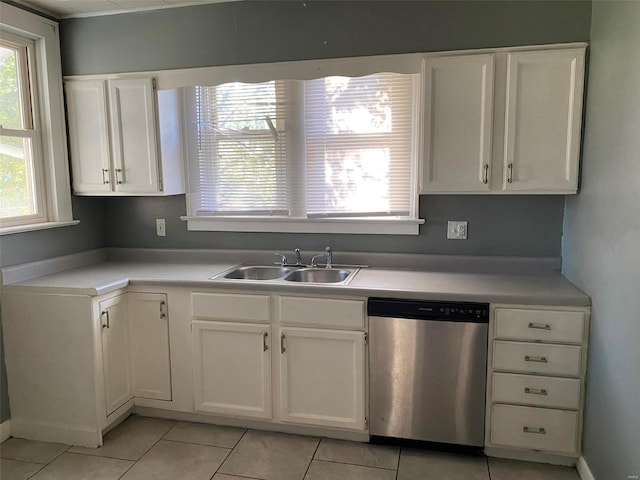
(583, 469)
(5, 430)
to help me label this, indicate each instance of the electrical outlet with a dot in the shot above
(457, 230)
(161, 228)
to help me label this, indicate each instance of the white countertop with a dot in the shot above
(537, 288)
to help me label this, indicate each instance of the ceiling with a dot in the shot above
(87, 8)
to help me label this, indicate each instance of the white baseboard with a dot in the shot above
(583, 470)
(5, 430)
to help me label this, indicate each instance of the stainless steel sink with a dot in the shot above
(319, 275)
(257, 273)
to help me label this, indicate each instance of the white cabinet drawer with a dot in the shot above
(537, 428)
(535, 390)
(220, 306)
(537, 358)
(322, 312)
(543, 325)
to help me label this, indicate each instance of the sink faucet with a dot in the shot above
(283, 259)
(328, 255)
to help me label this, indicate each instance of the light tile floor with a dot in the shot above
(153, 449)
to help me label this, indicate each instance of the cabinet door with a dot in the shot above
(232, 368)
(114, 317)
(458, 120)
(88, 136)
(543, 120)
(322, 377)
(149, 330)
(133, 126)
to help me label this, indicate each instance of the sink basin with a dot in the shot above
(257, 273)
(319, 275)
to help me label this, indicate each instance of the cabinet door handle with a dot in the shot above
(485, 175)
(265, 347)
(535, 391)
(282, 348)
(510, 173)
(105, 180)
(105, 313)
(162, 312)
(529, 358)
(538, 430)
(540, 326)
(119, 180)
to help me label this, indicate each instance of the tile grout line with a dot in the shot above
(229, 453)
(312, 458)
(398, 466)
(354, 464)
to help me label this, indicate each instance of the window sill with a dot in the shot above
(35, 226)
(396, 226)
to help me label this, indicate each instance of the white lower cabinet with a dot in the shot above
(135, 348)
(303, 374)
(116, 358)
(322, 377)
(232, 368)
(535, 390)
(150, 353)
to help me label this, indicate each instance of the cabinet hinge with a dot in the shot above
(154, 83)
(366, 422)
(366, 339)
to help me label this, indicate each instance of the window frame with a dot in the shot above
(353, 224)
(27, 77)
(48, 117)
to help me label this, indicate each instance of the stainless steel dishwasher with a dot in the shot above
(427, 369)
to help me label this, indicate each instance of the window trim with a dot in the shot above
(350, 224)
(49, 111)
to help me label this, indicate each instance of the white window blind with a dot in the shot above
(332, 148)
(241, 155)
(358, 145)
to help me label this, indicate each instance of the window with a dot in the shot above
(22, 199)
(34, 176)
(320, 155)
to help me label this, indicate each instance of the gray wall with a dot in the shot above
(601, 244)
(259, 31)
(514, 225)
(253, 32)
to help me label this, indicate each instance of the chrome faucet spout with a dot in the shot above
(329, 257)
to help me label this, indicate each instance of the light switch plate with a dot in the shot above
(456, 230)
(161, 228)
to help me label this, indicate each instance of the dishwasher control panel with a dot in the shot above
(428, 310)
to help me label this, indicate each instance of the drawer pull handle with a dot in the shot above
(540, 326)
(538, 430)
(535, 391)
(282, 347)
(529, 358)
(265, 347)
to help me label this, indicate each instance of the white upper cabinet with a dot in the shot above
(89, 135)
(458, 115)
(133, 134)
(123, 138)
(503, 122)
(543, 120)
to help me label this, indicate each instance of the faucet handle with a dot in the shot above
(329, 256)
(283, 258)
(298, 257)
